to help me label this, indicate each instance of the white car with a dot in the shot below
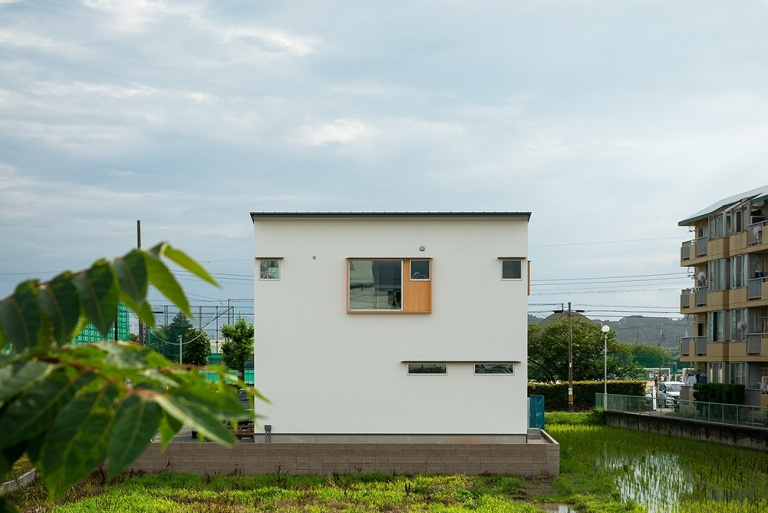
(669, 392)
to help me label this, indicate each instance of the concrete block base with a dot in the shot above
(539, 457)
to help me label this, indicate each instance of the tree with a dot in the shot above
(653, 357)
(238, 348)
(197, 347)
(195, 342)
(71, 408)
(548, 353)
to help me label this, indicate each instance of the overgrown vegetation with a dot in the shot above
(599, 465)
(71, 408)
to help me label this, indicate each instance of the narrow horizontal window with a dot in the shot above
(427, 368)
(269, 269)
(494, 368)
(511, 269)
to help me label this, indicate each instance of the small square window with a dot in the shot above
(511, 269)
(427, 368)
(419, 269)
(269, 269)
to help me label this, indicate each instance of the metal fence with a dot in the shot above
(713, 413)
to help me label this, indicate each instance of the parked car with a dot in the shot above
(669, 392)
(648, 396)
(244, 427)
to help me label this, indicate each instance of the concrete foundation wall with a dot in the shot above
(536, 458)
(748, 438)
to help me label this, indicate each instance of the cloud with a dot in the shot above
(336, 132)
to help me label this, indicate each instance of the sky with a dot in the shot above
(609, 121)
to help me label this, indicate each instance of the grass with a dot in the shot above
(603, 470)
(374, 492)
(19, 468)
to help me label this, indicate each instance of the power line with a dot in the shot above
(601, 242)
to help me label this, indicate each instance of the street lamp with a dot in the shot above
(605, 329)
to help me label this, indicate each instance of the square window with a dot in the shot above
(427, 368)
(375, 285)
(269, 269)
(419, 269)
(511, 269)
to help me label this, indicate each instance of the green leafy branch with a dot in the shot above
(71, 408)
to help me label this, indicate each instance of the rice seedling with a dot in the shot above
(666, 474)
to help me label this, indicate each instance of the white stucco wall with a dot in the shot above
(329, 371)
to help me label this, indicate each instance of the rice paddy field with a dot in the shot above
(603, 470)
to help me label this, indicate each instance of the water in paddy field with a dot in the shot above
(654, 479)
(557, 508)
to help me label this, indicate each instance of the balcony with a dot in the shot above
(701, 246)
(755, 232)
(692, 249)
(701, 296)
(694, 298)
(756, 288)
(685, 299)
(755, 343)
(755, 348)
(695, 345)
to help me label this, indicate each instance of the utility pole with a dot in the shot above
(142, 341)
(570, 359)
(181, 344)
(570, 313)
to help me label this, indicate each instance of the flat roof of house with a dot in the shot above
(755, 195)
(389, 215)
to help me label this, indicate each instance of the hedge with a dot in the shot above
(556, 394)
(725, 393)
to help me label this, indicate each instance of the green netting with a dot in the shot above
(91, 334)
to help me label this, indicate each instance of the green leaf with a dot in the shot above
(142, 309)
(225, 405)
(33, 412)
(181, 258)
(200, 418)
(98, 296)
(163, 280)
(20, 316)
(77, 441)
(17, 376)
(136, 422)
(8, 457)
(169, 426)
(7, 507)
(59, 301)
(131, 273)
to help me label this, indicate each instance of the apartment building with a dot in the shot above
(728, 262)
(394, 326)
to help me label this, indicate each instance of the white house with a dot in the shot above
(396, 325)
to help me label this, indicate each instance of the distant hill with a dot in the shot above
(661, 331)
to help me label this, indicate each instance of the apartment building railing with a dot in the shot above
(685, 298)
(756, 232)
(701, 296)
(755, 342)
(754, 287)
(713, 413)
(701, 246)
(686, 250)
(700, 347)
